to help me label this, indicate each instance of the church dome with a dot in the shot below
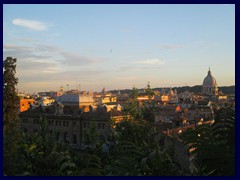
(209, 80)
(171, 92)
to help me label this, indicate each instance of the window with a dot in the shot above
(74, 139)
(56, 123)
(103, 126)
(67, 123)
(63, 123)
(60, 122)
(25, 120)
(65, 138)
(35, 121)
(99, 125)
(74, 123)
(84, 125)
(88, 124)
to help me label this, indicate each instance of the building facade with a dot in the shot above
(67, 128)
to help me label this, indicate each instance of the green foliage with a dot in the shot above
(131, 107)
(10, 118)
(44, 155)
(10, 99)
(149, 91)
(148, 110)
(91, 135)
(126, 160)
(159, 163)
(139, 132)
(39, 154)
(213, 145)
(138, 112)
(88, 165)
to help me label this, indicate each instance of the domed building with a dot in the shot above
(171, 93)
(210, 84)
(76, 101)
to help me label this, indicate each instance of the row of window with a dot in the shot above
(100, 125)
(63, 123)
(60, 123)
(64, 138)
(25, 120)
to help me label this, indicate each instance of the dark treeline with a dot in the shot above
(196, 89)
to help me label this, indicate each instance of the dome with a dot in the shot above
(209, 80)
(171, 92)
(68, 98)
(75, 99)
(162, 91)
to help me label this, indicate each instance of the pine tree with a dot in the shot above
(10, 121)
(10, 99)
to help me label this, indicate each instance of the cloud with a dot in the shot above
(200, 42)
(127, 57)
(151, 62)
(22, 52)
(206, 44)
(48, 48)
(22, 39)
(56, 34)
(47, 63)
(171, 47)
(11, 47)
(73, 59)
(126, 30)
(127, 68)
(30, 24)
(32, 65)
(49, 52)
(51, 73)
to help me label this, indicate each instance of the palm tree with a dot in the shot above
(213, 146)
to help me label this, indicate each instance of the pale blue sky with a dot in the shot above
(118, 46)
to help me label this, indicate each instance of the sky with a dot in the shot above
(89, 47)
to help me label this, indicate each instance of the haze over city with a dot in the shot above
(119, 46)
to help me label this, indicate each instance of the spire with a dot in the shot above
(209, 72)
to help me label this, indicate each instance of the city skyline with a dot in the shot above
(119, 46)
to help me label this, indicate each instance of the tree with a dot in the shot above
(149, 91)
(40, 154)
(10, 109)
(141, 133)
(159, 163)
(10, 98)
(213, 145)
(131, 107)
(91, 135)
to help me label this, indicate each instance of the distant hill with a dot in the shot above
(195, 89)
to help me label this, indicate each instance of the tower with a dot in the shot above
(210, 84)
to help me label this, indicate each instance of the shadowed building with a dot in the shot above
(67, 128)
